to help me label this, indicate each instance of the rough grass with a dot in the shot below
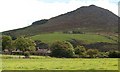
(48, 63)
(88, 38)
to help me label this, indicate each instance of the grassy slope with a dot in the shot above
(43, 63)
(88, 38)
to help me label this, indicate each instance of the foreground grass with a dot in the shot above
(48, 63)
(88, 38)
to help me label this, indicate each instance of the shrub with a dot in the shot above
(27, 54)
(76, 43)
(81, 51)
(103, 55)
(114, 54)
(40, 44)
(92, 53)
(62, 49)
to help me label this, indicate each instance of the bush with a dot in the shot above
(62, 49)
(92, 53)
(103, 55)
(114, 54)
(81, 51)
(27, 54)
(40, 44)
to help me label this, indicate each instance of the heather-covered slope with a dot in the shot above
(85, 19)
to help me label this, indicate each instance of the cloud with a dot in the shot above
(20, 13)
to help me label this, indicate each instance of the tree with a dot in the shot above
(7, 43)
(25, 44)
(92, 53)
(62, 49)
(81, 51)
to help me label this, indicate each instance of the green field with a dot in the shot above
(88, 38)
(48, 63)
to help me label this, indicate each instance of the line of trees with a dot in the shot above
(65, 49)
(58, 49)
(21, 43)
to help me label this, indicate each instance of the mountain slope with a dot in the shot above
(86, 19)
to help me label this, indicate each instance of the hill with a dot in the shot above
(85, 19)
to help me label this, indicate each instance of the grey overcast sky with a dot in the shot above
(20, 13)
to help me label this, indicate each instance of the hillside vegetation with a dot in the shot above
(88, 38)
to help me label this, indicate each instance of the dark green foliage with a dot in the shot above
(6, 42)
(102, 46)
(62, 49)
(73, 32)
(24, 44)
(40, 22)
(92, 53)
(41, 45)
(76, 42)
(77, 32)
(37, 42)
(103, 55)
(114, 54)
(81, 51)
(27, 54)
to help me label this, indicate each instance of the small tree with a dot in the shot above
(25, 44)
(7, 43)
(92, 53)
(62, 49)
(81, 51)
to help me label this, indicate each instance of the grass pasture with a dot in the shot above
(88, 38)
(48, 63)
